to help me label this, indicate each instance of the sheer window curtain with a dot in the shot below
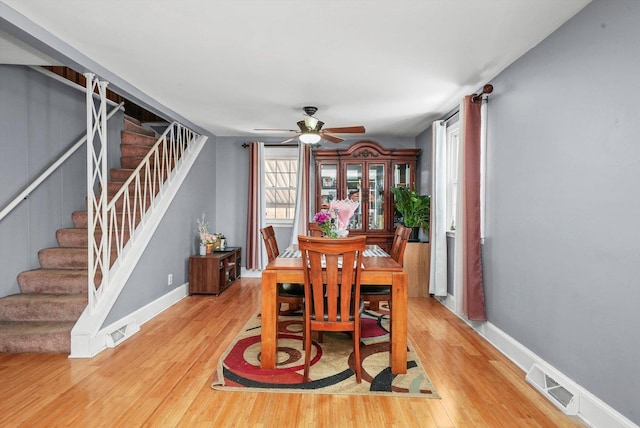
(438, 275)
(256, 208)
(469, 287)
(301, 217)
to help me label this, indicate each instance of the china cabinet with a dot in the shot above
(365, 171)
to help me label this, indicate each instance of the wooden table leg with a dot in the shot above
(269, 317)
(399, 323)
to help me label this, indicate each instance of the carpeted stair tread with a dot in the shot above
(77, 238)
(35, 336)
(114, 186)
(134, 161)
(63, 258)
(53, 281)
(42, 307)
(135, 138)
(73, 237)
(80, 218)
(68, 258)
(134, 150)
(132, 119)
(121, 174)
(119, 204)
(134, 125)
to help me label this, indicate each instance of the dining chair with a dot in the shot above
(375, 294)
(314, 229)
(332, 301)
(291, 294)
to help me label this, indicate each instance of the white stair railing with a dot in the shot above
(112, 223)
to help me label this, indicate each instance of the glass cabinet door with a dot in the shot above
(353, 191)
(402, 175)
(376, 199)
(328, 184)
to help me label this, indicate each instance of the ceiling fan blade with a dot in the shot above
(275, 129)
(331, 138)
(290, 139)
(347, 130)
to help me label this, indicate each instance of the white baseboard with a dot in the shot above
(592, 410)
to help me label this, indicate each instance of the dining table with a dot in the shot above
(377, 269)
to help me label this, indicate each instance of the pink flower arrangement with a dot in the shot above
(344, 210)
(326, 221)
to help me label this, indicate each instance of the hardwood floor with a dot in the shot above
(161, 377)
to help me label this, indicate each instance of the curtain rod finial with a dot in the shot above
(486, 90)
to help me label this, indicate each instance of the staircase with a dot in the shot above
(52, 298)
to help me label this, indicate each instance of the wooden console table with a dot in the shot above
(213, 273)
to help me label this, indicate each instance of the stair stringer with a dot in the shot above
(87, 339)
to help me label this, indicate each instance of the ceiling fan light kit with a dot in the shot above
(311, 131)
(309, 138)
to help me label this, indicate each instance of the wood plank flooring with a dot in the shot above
(161, 377)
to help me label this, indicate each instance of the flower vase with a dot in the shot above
(209, 248)
(203, 249)
(342, 233)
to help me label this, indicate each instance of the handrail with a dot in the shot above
(42, 177)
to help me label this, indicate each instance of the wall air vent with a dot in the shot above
(555, 388)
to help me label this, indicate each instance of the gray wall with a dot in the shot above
(561, 253)
(175, 239)
(40, 118)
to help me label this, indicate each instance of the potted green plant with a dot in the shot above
(415, 209)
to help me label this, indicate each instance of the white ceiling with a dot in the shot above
(231, 66)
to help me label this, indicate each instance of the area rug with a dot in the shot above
(332, 369)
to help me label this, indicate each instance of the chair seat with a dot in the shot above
(291, 290)
(374, 290)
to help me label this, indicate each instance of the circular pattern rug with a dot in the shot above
(332, 369)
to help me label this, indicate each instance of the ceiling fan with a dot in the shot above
(311, 131)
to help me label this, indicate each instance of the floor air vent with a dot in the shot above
(554, 388)
(119, 335)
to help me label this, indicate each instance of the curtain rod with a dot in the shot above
(475, 98)
(451, 116)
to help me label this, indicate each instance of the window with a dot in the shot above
(453, 142)
(280, 181)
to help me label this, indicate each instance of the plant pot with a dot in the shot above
(415, 234)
